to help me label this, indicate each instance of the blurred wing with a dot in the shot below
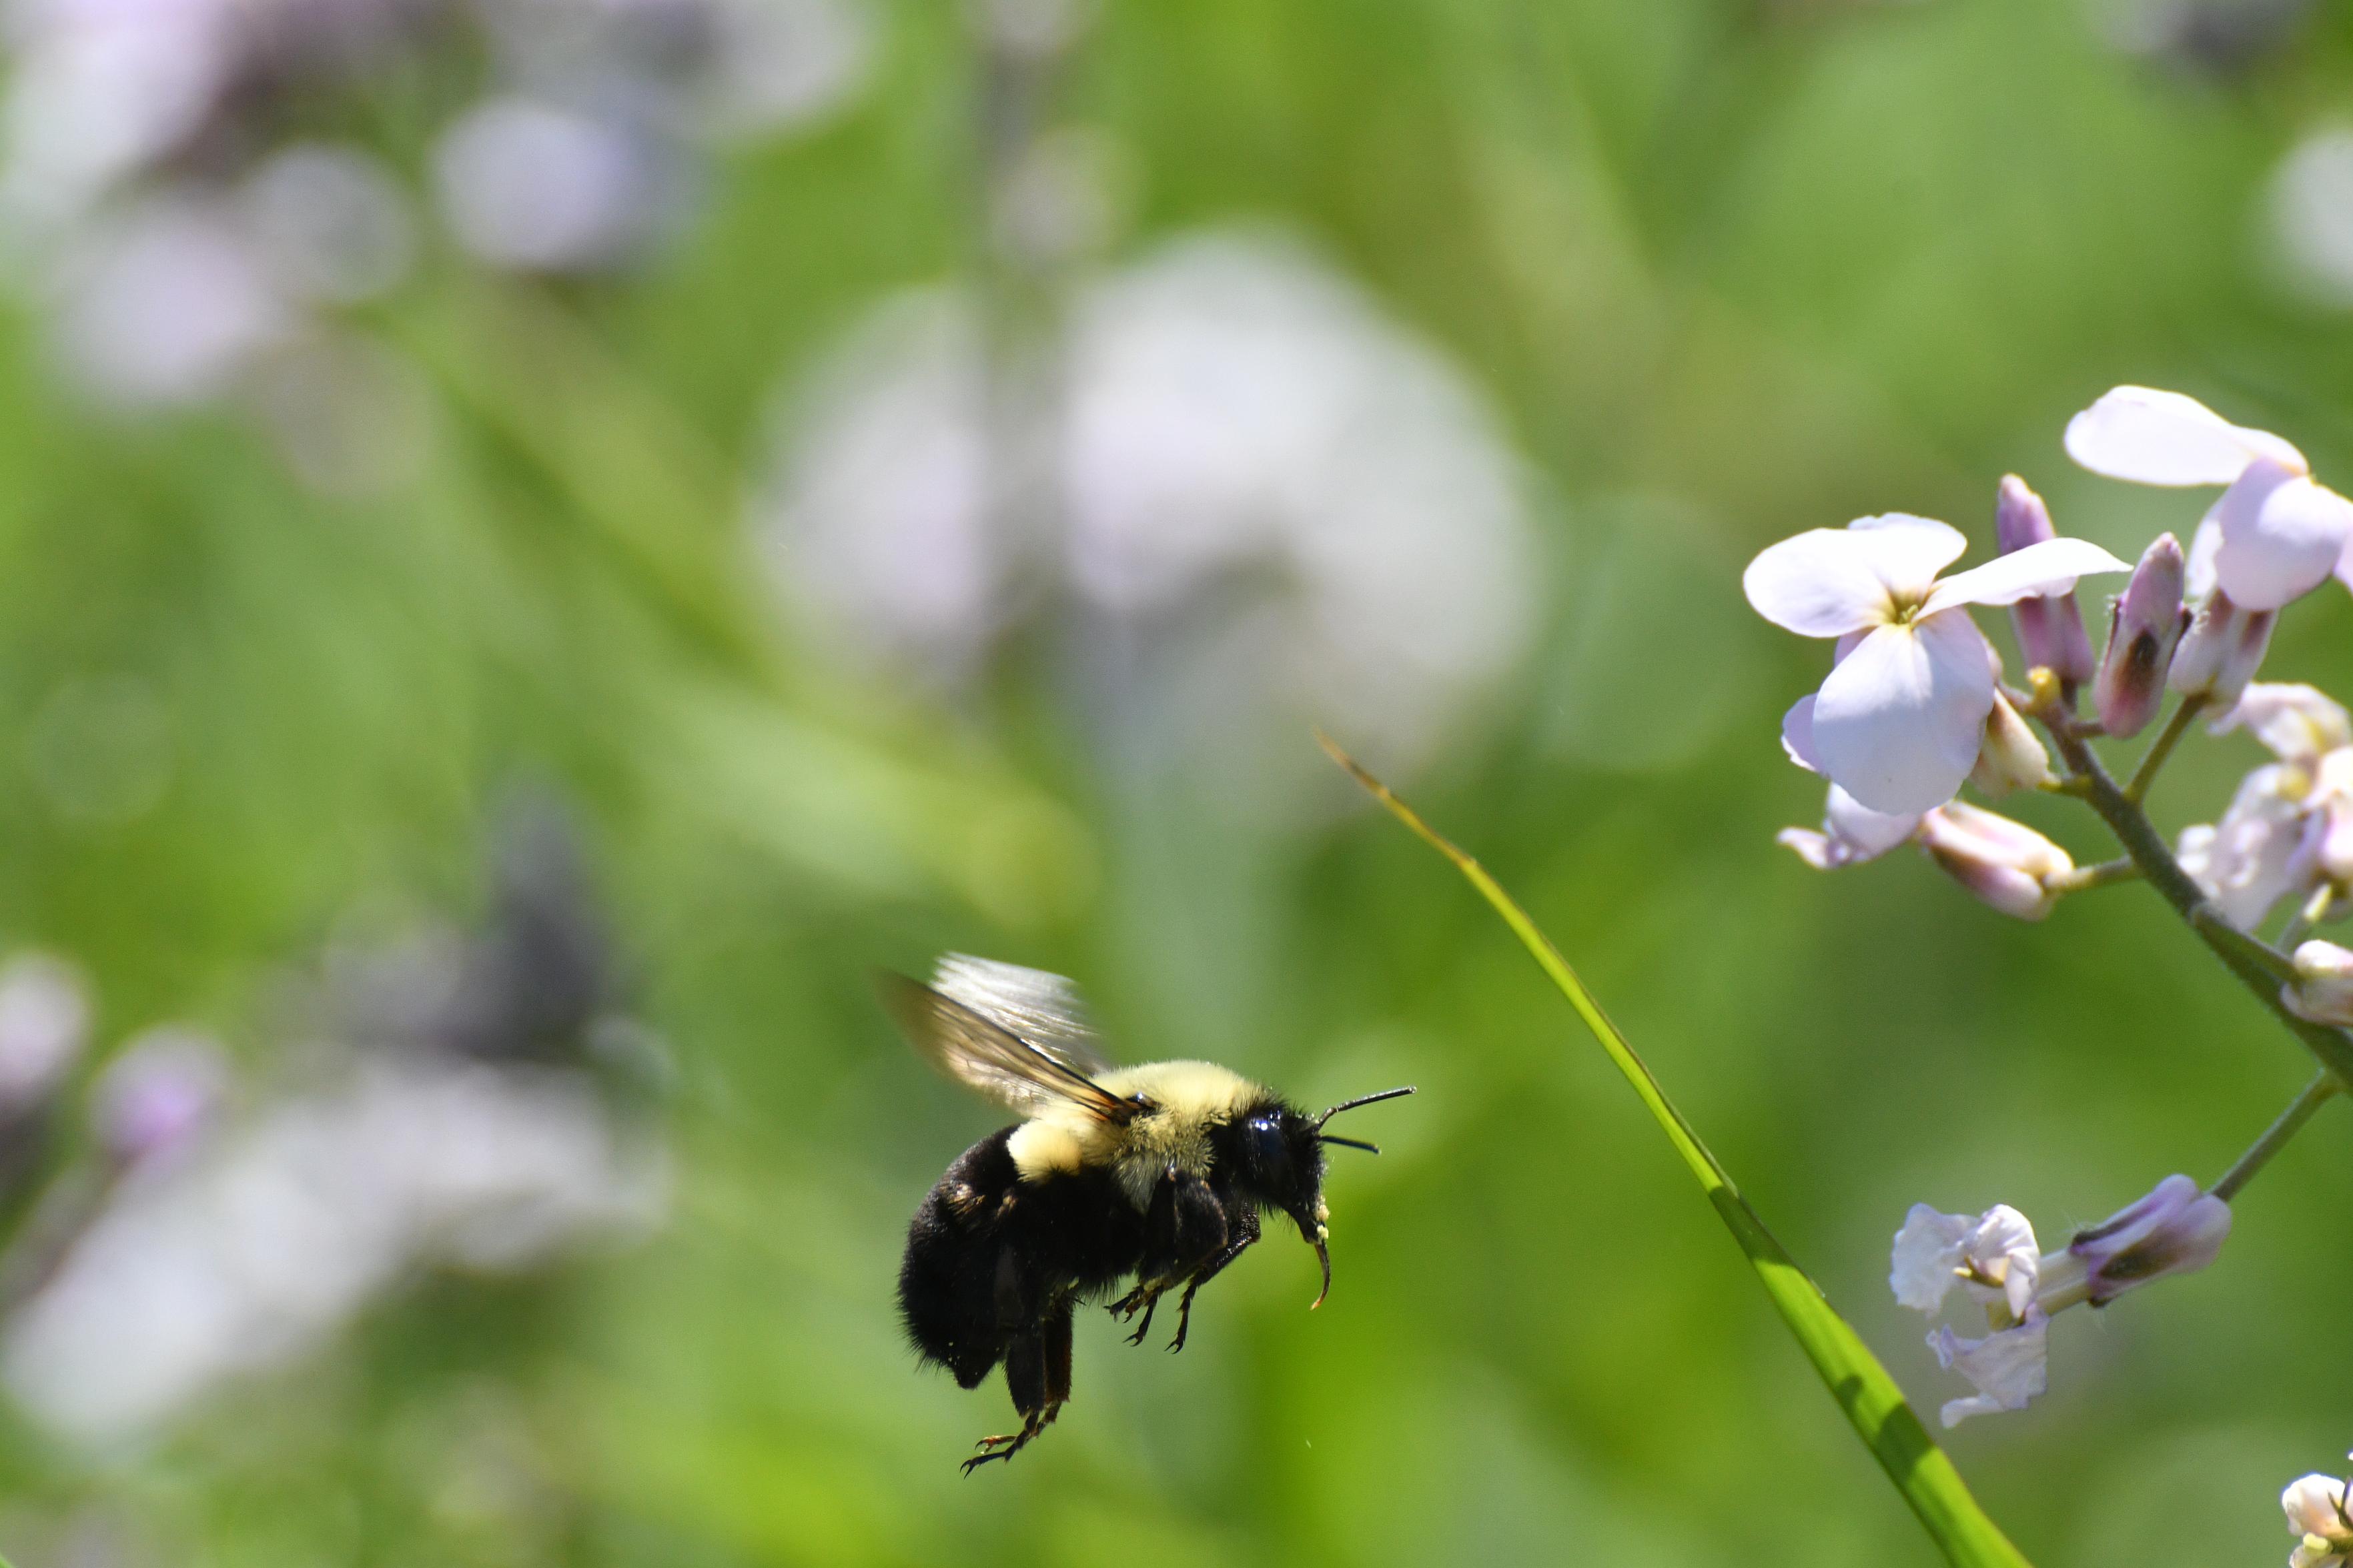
(1043, 1009)
(989, 1057)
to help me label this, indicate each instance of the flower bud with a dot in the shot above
(2011, 756)
(2317, 1516)
(2143, 628)
(2006, 864)
(2223, 650)
(2050, 630)
(2176, 1229)
(2323, 988)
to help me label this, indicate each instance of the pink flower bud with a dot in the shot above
(2222, 650)
(2006, 864)
(2050, 630)
(2143, 628)
(2176, 1229)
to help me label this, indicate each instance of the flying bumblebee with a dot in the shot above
(1159, 1171)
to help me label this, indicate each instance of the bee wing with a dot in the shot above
(983, 1054)
(1043, 1009)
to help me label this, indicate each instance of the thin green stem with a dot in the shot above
(2082, 879)
(2315, 910)
(2260, 968)
(2136, 789)
(2317, 1093)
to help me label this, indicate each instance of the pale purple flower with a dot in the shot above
(2010, 757)
(2277, 534)
(2317, 1517)
(1900, 719)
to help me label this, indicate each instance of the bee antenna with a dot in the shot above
(1348, 1142)
(1360, 1099)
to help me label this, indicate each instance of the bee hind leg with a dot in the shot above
(1038, 1375)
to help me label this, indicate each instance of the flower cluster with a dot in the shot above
(2317, 1518)
(1915, 706)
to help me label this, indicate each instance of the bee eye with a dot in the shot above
(1268, 1150)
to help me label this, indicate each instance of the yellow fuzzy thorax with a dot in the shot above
(1190, 1099)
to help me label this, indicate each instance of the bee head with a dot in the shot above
(1281, 1157)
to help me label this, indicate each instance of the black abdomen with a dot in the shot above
(989, 1253)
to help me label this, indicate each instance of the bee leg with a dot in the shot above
(1026, 1377)
(1246, 1231)
(1143, 1299)
(1058, 1363)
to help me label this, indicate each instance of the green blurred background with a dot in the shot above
(1703, 275)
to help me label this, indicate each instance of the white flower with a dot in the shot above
(1900, 719)
(2274, 535)
(1993, 1256)
(2317, 1516)
(2010, 1367)
(2291, 821)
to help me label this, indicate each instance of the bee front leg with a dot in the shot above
(1246, 1231)
(1184, 1228)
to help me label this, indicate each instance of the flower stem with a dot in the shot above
(2084, 878)
(2259, 967)
(2315, 910)
(2316, 1094)
(2136, 789)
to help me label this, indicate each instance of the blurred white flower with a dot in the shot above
(2316, 1515)
(531, 187)
(333, 222)
(2312, 213)
(166, 303)
(44, 1028)
(1261, 496)
(2275, 534)
(1899, 722)
(249, 1255)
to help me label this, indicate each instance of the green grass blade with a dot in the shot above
(1873, 1403)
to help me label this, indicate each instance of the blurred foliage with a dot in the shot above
(1729, 270)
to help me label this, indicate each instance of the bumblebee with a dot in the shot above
(1159, 1171)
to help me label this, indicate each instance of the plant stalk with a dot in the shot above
(2317, 1093)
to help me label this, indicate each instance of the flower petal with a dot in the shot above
(2281, 536)
(2164, 438)
(1798, 734)
(1867, 834)
(1927, 1251)
(2010, 1367)
(2298, 722)
(1898, 723)
(2204, 546)
(1817, 584)
(2311, 1505)
(2034, 573)
(1907, 552)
